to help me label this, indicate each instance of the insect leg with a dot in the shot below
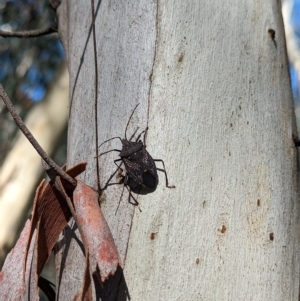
(118, 167)
(136, 203)
(164, 171)
(120, 199)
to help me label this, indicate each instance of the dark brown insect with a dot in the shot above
(141, 171)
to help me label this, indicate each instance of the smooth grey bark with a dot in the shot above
(214, 89)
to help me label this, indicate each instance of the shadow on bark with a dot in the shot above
(115, 288)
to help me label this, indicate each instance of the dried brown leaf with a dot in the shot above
(13, 281)
(54, 204)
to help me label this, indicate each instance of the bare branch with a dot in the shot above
(28, 33)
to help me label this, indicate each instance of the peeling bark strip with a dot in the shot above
(102, 250)
(51, 213)
(24, 264)
(54, 205)
(12, 280)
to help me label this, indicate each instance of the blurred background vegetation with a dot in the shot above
(27, 65)
(28, 68)
(291, 14)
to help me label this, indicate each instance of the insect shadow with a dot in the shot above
(140, 169)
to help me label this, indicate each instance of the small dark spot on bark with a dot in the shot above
(296, 141)
(271, 235)
(180, 58)
(197, 260)
(223, 229)
(271, 33)
(258, 202)
(152, 236)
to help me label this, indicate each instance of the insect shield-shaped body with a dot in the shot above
(141, 172)
(139, 165)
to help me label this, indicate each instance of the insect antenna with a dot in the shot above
(129, 120)
(139, 136)
(133, 134)
(109, 140)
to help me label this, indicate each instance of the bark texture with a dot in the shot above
(214, 90)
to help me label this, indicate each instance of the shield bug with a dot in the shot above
(140, 169)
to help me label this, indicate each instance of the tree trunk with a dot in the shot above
(214, 90)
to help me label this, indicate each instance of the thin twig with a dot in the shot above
(28, 33)
(96, 94)
(32, 140)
